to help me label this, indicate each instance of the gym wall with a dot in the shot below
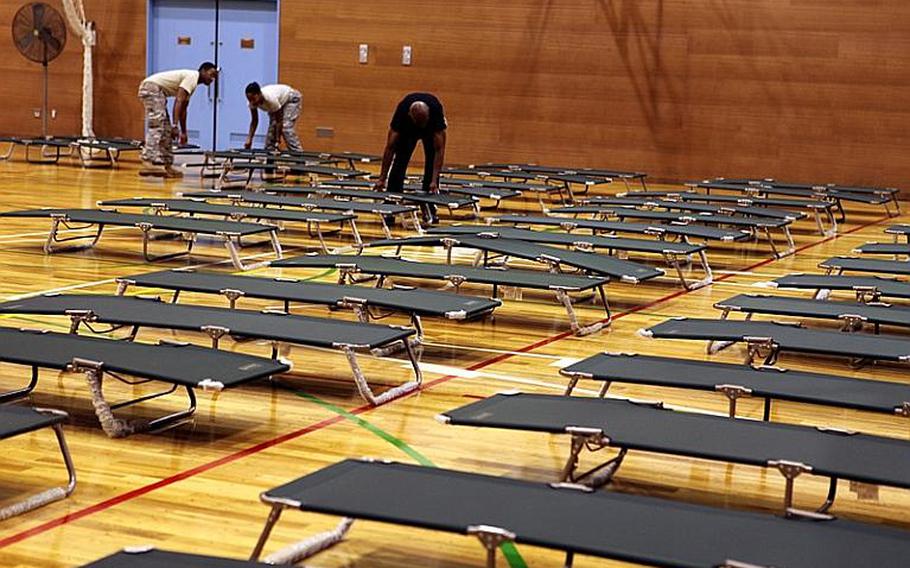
(812, 90)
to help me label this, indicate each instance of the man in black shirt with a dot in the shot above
(419, 117)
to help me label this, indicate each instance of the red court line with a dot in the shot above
(262, 446)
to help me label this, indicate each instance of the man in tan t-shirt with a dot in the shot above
(282, 104)
(157, 153)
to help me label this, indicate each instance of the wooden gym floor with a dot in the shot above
(195, 488)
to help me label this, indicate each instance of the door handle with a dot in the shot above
(218, 86)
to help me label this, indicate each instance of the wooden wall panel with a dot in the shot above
(797, 89)
(119, 66)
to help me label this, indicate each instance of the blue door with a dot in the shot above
(240, 36)
(247, 51)
(182, 36)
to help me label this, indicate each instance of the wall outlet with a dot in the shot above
(36, 112)
(406, 55)
(363, 54)
(325, 132)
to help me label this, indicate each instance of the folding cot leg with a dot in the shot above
(594, 440)
(362, 311)
(385, 227)
(363, 386)
(235, 255)
(491, 538)
(790, 470)
(44, 158)
(53, 238)
(755, 346)
(9, 152)
(829, 499)
(354, 231)
(25, 391)
(832, 230)
(117, 427)
(791, 246)
(54, 494)
(573, 382)
(146, 229)
(840, 208)
(270, 522)
(563, 297)
(322, 245)
(672, 259)
(733, 393)
(774, 250)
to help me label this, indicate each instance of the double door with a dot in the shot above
(240, 37)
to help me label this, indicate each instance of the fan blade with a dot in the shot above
(38, 15)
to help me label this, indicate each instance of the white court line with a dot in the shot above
(463, 373)
(111, 280)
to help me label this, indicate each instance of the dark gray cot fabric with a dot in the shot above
(356, 156)
(203, 208)
(482, 192)
(579, 178)
(757, 201)
(606, 204)
(898, 230)
(15, 420)
(884, 248)
(591, 262)
(632, 528)
(559, 238)
(399, 267)
(867, 265)
(184, 365)
(126, 310)
(590, 172)
(183, 224)
(636, 426)
(764, 187)
(297, 167)
(796, 386)
(161, 558)
(503, 185)
(618, 226)
(821, 309)
(788, 337)
(260, 198)
(833, 187)
(421, 302)
(443, 200)
(761, 222)
(816, 187)
(888, 287)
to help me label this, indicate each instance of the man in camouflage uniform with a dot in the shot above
(282, 103)
(157, 153)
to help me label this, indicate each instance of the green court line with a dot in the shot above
(509, 550)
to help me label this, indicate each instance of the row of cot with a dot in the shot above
(627, 527)
(521, 243)
(545, 415)
(348, 488)
(487, 535)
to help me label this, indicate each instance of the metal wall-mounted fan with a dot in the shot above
(39, 33)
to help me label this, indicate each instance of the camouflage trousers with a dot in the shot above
(284, 124)
(159, 134)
